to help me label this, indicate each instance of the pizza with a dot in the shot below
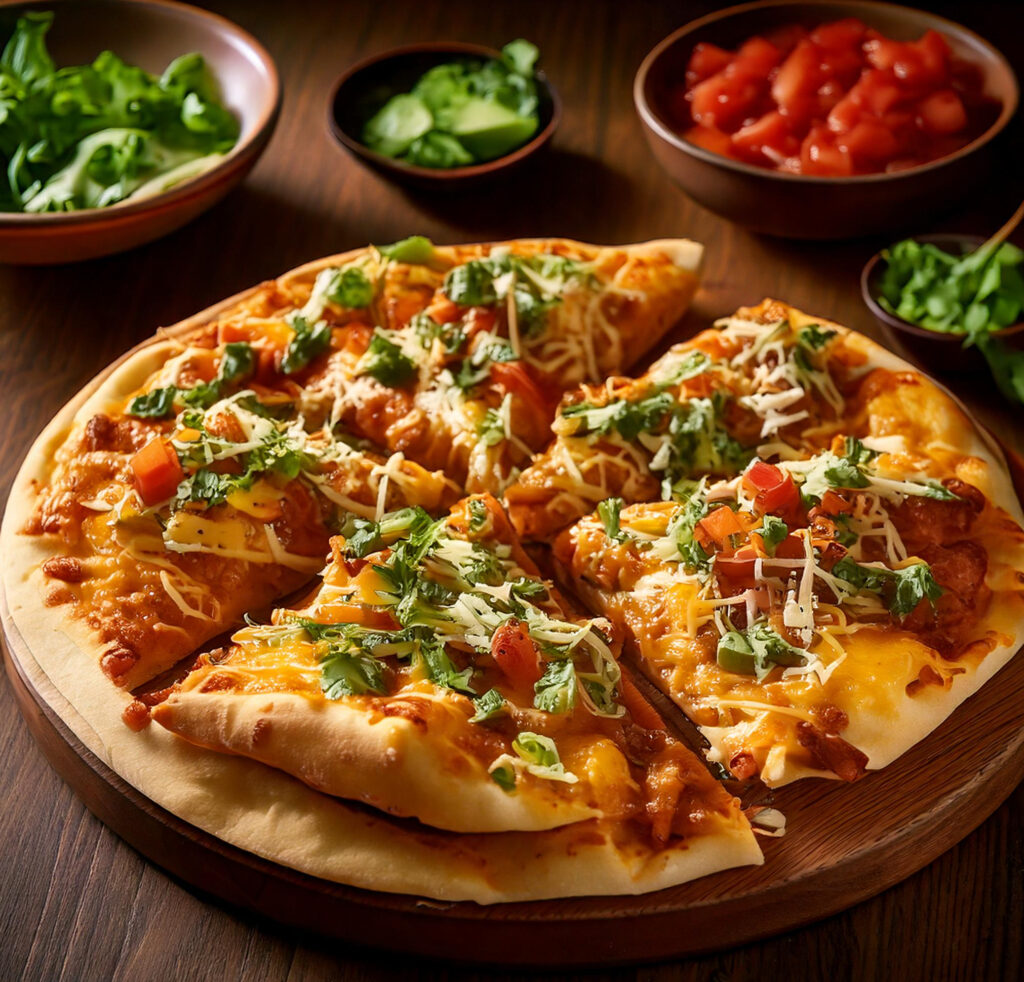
(825, 599)
(435, 675)
(804, 544)
(207, 474)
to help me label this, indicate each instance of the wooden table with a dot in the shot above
(75, 902)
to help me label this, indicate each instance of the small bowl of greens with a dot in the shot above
(444, 114)
(121, 121)
(955, 305)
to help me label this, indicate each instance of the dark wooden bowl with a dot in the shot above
(150, 34)
(934, 350)
(362, 89)
(801, 207)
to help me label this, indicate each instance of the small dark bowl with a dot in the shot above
(805, 207)
(366, 86)
(150, 34)
(935, 350)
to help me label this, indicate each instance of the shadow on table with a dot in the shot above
(557, 193)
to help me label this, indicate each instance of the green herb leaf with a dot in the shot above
(773, 531)
(609, 511)
(155, 404)
(310, 340)
(386, 362)
(555, 690)
(238, 361)
(417, 250)
(490, 704)
(350, 288)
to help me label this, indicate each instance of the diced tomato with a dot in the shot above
(516, 653)
(738, 569)
(774, 490)
(643, 713)
(820, 156)
(357, 338)
(791, 547)
(901, 103)
(869, 142)
(771, 134)
(478, 319)
(840, 35)
(723, 101)
(719, 526)
(876, 92)
(835, 504)
(706, 60)
(942, 113)
(157, 471)
(756, 58)
(442, 310)
(798, 80)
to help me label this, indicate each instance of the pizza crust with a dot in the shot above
(340, 749)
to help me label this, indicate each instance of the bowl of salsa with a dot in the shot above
(824, 120)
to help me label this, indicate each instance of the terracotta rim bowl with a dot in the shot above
(149, 33)
(363, 88)
(936, 350)
(813, 207)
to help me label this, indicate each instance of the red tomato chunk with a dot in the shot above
(838, 100)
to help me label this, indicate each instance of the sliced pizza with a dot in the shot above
(819, 615)
(434, 675)
(768, 378)
(466, 380)
(187, 492)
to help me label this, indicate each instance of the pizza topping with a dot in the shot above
(534, 754)
(157, 471)
(529, 285)
(310, 339)
(416, 249)
(386, 362)
(756, 651)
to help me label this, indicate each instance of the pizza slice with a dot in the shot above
(467, 379)
(436, 676)
(819, 615)
(189, 491)
(768, 378)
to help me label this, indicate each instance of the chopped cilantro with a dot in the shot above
(417, 250)
(555, 691)
(903, 589)
(773, 531)
(490, 704)
(309, 341)
(156, 404)
(386, 362)
(609, 511)
(350, 288)
(478, 515)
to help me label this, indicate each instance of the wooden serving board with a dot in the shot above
(844, 843)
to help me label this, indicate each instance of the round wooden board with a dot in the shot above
(844, 843)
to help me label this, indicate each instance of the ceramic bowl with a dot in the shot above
(934, 350)
(150, 34)
(362, 89)
(807, 207)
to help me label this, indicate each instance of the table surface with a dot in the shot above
(76, 902)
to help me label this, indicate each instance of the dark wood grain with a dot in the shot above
(75, 901)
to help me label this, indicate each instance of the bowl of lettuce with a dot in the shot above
(120, 121)
(445, 114)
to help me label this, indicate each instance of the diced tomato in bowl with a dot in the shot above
(779, 98)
